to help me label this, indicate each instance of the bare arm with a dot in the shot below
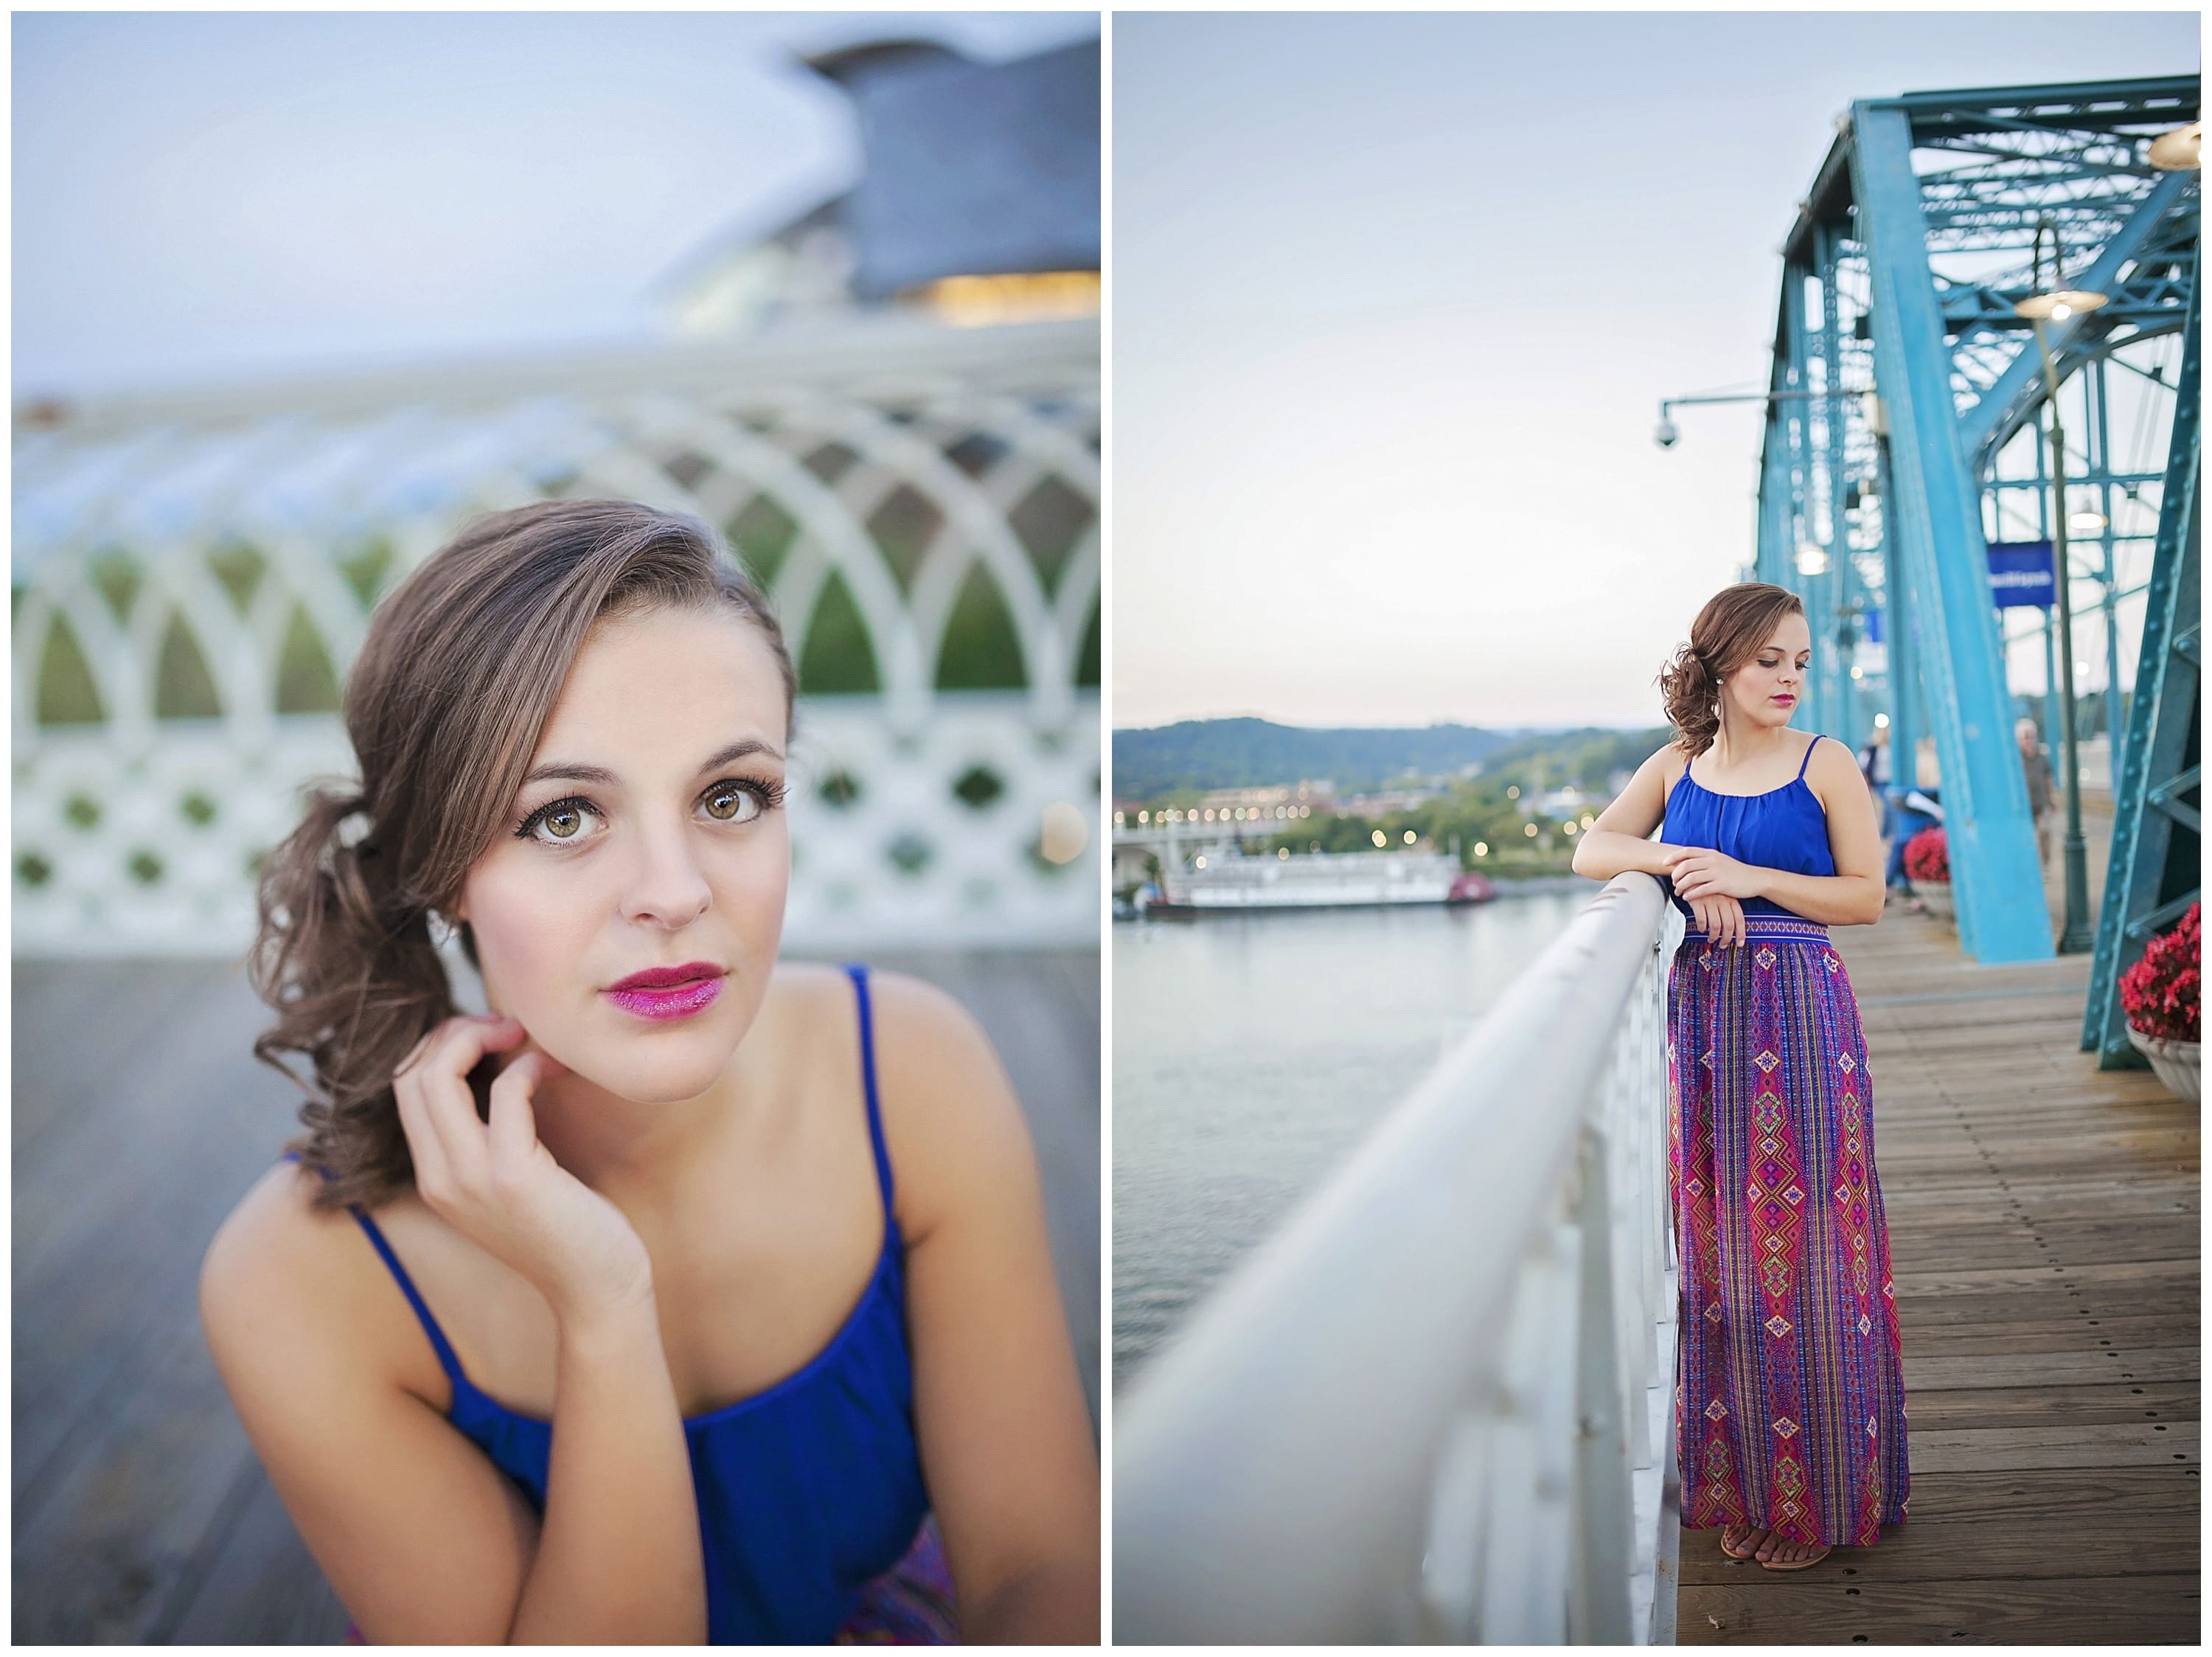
(1620, 841)
(620, 1560)
(423, 1540)
(1006, 1440)
(1620, 838)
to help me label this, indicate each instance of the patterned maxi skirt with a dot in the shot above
(1790, 1392)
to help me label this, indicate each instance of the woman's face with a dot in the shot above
(649, 835)
(1765, 688)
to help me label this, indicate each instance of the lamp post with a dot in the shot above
(2056, 305)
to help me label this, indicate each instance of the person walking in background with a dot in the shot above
(1913, 807)
(1789, 1406)
(2040, 791)
(1873, 765)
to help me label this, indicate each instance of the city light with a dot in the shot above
(1200, 862)
(1381, 839)
(1482, 848)
(1881, 721)
(1529, 829)
(1513, 793)
(1567, 829)
(1409, 837)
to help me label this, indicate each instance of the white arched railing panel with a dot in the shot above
(919, 814)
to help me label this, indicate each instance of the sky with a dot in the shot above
(1396, 300)
(204, 197)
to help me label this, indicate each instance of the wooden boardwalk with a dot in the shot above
(2043, 1238)
(141, 1515)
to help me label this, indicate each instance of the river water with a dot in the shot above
(1252, 1054)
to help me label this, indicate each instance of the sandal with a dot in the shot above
(1794, 1564)
(1744, 1532)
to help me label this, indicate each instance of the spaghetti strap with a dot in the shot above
(859, 974)
(447, 1360)
(1807, 760)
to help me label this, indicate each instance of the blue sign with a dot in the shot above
(2021, 574)
(1874, 627)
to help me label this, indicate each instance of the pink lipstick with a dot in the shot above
(668, 992)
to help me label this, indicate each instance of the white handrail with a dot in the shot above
(1438, 1405)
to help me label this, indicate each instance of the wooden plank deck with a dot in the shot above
(2044, 1238)
(141, 1515)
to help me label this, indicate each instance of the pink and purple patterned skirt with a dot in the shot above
(1789, 1389)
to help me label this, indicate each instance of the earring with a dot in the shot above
(442, 930)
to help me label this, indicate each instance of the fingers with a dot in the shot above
(437, 1111)
(512, 1134)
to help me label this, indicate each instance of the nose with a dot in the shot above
(667, 887)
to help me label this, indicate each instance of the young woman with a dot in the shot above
(1790, 1411)
(664, 1303)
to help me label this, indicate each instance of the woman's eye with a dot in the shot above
(728, 804)
(562, 821)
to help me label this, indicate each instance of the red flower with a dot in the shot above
(2160, 992)
(1927, 856)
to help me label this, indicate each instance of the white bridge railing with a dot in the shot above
(1439, 1405)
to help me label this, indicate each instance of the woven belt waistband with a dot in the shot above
(1772, 927)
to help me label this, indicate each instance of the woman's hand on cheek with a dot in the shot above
(495, 1183)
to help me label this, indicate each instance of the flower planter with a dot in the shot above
(1936, 897)
(2174, 1063)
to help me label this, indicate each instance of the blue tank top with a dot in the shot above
(806, 1490)
(1784, 828)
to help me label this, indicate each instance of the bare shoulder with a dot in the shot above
(949, 1113)
(281, 1278)
(1668, 764)
(1833, 764)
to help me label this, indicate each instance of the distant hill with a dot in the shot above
(1249, 754)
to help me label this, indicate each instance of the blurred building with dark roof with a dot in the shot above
(978, 201)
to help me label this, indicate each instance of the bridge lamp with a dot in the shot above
(2085, 523)
(2180, 150)
(2059, 302)
(1812, 560)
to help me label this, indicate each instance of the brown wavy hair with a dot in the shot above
(1735, 623)
(446, 703)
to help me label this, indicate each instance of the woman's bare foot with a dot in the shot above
(1780, 1553)
(1739, 1540)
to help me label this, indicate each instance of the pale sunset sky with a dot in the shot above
(1396, 298)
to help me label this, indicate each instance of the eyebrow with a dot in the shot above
(565, 770)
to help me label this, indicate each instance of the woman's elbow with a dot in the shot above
(1582, 861)
(1874, 907)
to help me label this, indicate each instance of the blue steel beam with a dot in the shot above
(1995, 877)
(2012, 402)
(2144, 889)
